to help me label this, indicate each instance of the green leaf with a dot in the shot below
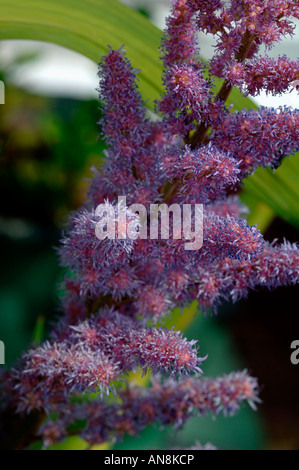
(279, 190)
(88, 27)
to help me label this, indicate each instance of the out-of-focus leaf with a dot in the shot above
(279, 190)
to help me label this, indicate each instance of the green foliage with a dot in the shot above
(51, 149)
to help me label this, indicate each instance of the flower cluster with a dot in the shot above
(167, 403)
(118, 288)
(277, 265)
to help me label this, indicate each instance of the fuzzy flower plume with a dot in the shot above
(92, 355)
(165, 403)
(258, 138)
(276, 265)
(120, 283)
(205, 172)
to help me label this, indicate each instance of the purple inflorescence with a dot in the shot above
(120, 285)
(258, 138)
(186, 90)
(276, 265)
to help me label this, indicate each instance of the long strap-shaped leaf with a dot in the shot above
(88, 27)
